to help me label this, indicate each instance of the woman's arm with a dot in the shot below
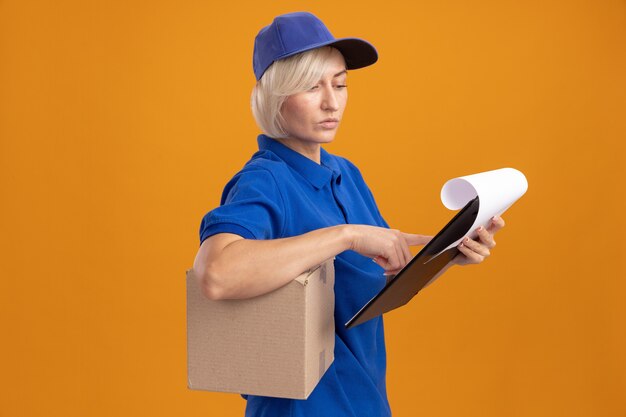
(229, 266)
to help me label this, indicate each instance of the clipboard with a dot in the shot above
(421, 269)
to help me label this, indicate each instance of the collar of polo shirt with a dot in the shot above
(317, 174)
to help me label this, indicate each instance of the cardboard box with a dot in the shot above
(278, 344)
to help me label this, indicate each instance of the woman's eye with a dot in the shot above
(341, 86)
(315, 87)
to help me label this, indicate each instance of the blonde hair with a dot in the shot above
(282, 79)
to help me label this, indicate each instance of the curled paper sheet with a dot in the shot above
(496, 190)
(478, 198)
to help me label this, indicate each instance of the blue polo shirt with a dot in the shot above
(280, 193)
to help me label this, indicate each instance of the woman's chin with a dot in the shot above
(319, 137)
(327, 136)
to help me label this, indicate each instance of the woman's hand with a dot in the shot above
(475, 251)
(389, 248)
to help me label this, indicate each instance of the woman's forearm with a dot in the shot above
(245, 268)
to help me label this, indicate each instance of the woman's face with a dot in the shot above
(312, 117)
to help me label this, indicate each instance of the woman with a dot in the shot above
(294, 205)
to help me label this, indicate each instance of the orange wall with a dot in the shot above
(121, 121)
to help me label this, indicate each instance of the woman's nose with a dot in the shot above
(329, 99)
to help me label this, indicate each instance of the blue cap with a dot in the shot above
(292, 33)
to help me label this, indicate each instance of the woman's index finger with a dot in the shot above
(414, 239)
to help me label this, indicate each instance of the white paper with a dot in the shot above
(497, 190)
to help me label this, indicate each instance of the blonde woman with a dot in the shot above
(294, 205)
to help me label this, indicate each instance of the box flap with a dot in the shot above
(304, 277)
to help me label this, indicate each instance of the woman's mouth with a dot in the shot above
(329, 123)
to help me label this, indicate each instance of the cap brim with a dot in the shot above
(358, 53)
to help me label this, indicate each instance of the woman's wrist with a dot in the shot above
(347, 236)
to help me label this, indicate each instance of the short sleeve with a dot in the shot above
(251, 207)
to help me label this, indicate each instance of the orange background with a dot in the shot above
(121, 121)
